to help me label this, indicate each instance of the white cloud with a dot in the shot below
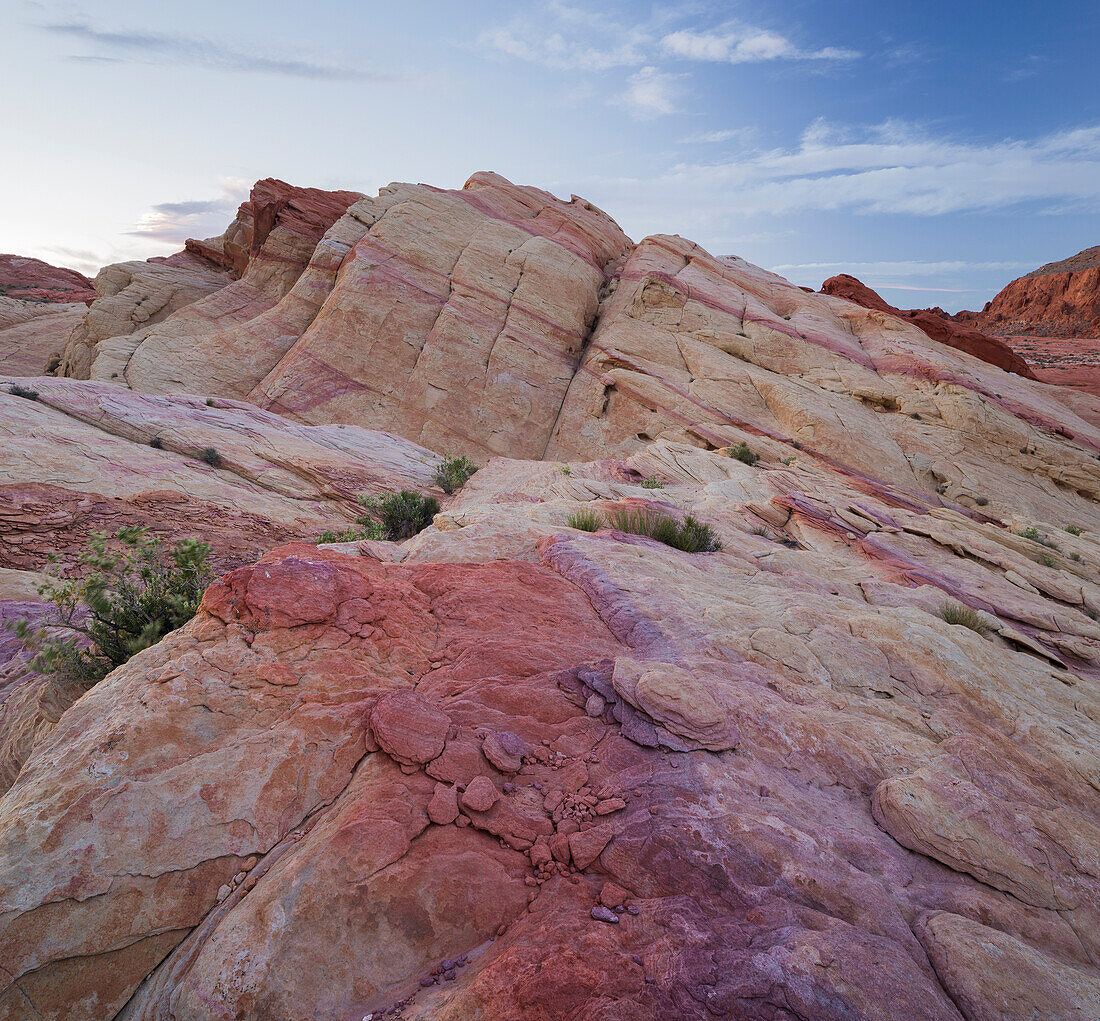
(650, 93)
(744, 45)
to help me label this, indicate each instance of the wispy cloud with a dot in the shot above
(565, 38)
(744, 45)
(896, 167)
(558, 52)
(742, 135)
(905, 268)
(174, 222)
(120, 46)
(650, 93)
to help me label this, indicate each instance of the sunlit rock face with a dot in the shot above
(511, 769)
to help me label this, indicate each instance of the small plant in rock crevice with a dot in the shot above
(1074, 529)
(744, 453)
(18, 390)
(1032, 533)
(652, 483)
(956, 613)
(452, 473)
(211, 457)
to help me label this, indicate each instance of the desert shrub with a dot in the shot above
(585, 520)
(982, 501)
(367, 529)
(126, 595)
(956, 613)
(696, 536)
(915, 414)
(566, 470)
(1075, 557)
(689, 535)
(744, 453)
(211, 457)
(761, 531)
(652, 483)
(210, 402)
(1074, 529)
(156, 443)
(453, 473)
(17, 390)
(400, 515)
(1046, 560)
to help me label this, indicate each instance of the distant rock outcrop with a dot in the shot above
(935, 322)
(1060, 299)
(33, 280)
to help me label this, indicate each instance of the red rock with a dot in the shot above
(481, 795)
(505, 750)
(937, 326)
(612, 895)
(33, 280)
(587, 845)
(443, 808)
(409, 728)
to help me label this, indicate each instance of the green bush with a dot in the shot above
(453, 473)
(652, 483)
(955, 613)
(400, 515)
(689, 535)
(585, 520)
(1074, 529)
(128, 595)
(1035, 535)
(16, 390)
(744, 453)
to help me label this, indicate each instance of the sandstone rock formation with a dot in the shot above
(29, 279)
(509, 769)
(1060, 299)
(935, 322)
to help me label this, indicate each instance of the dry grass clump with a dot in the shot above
(956, 613)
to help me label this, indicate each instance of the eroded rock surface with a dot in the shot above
(510, 769)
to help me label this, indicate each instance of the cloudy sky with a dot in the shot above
(934, 149)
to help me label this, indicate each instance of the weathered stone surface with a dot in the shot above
(824, 800)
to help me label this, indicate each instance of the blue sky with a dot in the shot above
(934, 149)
